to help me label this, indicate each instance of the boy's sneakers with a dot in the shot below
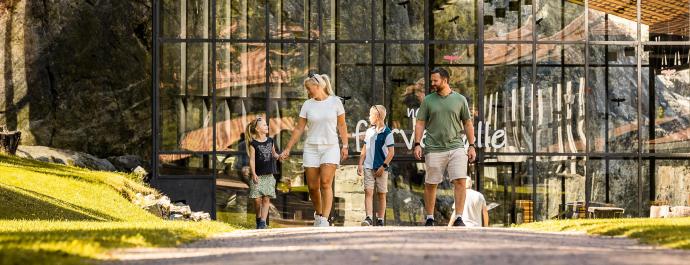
(379, 222)
(257, 222)
(367, 221)
(429, 222)
(262, 225)
(458, 222)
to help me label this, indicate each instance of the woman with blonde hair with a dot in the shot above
(324, 116)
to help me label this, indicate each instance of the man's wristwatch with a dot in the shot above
(472, 145)
(416, 144)
(385, 165)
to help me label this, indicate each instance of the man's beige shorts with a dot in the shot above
(454, 162)
(370, 181)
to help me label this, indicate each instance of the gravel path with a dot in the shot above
(404, 245)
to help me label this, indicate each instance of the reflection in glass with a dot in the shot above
(666, 107)
(293, 19)
(507, 98)
(612, 104)
(560, 187)
(451, 54)
(672, 182)
(508, 20)
(507, 185)
(559, 20)
(185, 103)
(291, 63)
(404, 94)
(185, 164)
(241, 70)
(404, 20)
(347, 20)
(615, 184)
(232, 117)
(665, 20)
(185, 18)
(613, 21)
(560, 99)
(453, 21)
(240, 19)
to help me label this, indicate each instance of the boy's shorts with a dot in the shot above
(371, 181)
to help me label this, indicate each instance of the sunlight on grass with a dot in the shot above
(667, 232)
(56, 214)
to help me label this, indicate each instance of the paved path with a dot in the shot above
(405, 245)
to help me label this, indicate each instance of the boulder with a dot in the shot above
(140, 172)
(126, 163)
(65, 157)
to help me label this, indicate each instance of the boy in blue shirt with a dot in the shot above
(376, 155)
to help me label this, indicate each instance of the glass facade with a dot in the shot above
(576, 104)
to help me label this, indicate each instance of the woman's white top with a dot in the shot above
(322, 119)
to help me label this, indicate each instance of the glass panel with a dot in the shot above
(560, 187)
(612, 21)
(612, 104)
(185, 164)
(450, 54)
(453, 20)
(405, 198)
(185, 18)
(284, 117)
(232, 116)
(560, 99)
(667, 86)
(240, 19)
(559, 20)
(400, 53)
(404, 20)
(186, 120)
(672, 182)
(404, 94)
(507, 125)
(507, 20)
(665, 20)
(241, 70)
(352, 19)
(615, 184)
(507, 188)
(354, 81)
(290, 64)
(293, 19)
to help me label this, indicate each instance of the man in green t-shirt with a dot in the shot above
(443, 114)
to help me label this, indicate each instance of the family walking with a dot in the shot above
(442, 115)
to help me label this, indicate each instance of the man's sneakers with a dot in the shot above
(367, 221)
(379, 222)
(429, 222)
(458, 222)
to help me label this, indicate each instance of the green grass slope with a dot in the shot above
(55, 214)
(667, 232)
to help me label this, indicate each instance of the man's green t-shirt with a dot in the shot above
(443, 117)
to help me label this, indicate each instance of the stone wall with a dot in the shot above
(76, 74)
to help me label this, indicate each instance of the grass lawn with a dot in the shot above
(667, 232)
(55, 214)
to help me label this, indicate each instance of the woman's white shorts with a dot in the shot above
(315, 155)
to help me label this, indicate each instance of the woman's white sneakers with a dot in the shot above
(317, 220)
(320, 221)
(324, 222)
